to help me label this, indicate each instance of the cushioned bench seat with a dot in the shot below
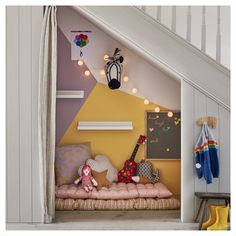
(116, 191)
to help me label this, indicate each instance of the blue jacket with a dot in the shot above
(206, 155)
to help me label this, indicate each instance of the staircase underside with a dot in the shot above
(164, 49)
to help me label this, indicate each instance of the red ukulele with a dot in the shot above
(125, 175)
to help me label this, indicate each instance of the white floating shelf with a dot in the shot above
(105, 125)
(70, 94)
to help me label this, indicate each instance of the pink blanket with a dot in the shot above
(115, 191)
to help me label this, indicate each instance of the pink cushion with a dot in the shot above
(153, 190)
(115, 191)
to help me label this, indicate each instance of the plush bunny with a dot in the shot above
(87, 179)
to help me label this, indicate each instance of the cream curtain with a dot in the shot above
(47, 108)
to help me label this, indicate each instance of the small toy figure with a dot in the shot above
(87, 179)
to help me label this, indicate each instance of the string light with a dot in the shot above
(80, 62)
(87, 73)
(126, 79)
(134, 90)
(170, 114)
(146, 101)
(157, 109)
(102, 72)
(105, 57)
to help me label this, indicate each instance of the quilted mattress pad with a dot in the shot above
(115, 191)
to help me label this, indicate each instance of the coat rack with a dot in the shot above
(209, 120)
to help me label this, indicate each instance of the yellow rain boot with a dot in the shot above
(212, 217)
(221, 219)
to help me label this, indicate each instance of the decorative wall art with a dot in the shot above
(113, 69)
(79, 43)
(163, 135)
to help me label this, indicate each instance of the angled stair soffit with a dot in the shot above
(164, 49)
(150, 81)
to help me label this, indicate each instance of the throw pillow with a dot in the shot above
(67, 161)
(101, 163)
(101, 179)
(145, 169)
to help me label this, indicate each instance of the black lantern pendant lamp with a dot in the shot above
(113, 69)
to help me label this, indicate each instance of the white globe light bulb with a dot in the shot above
(126, 79)
(87, 73)
(105, 57)
(80, 62)
(146, 101)
(157, 109)
(170, 114)
(102, 72)
(134, 90)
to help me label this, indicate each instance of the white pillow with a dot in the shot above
(101, 163)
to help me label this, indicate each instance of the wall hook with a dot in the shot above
(211, 121)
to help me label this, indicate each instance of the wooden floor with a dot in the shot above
(112, 220)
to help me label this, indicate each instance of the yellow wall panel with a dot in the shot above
(104, 104)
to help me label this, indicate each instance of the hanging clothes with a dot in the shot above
(206, 155)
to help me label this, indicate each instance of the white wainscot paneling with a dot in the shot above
(213, 110)
(12, 82)
(195, 105)
(23, 198)
(200, 110)
(37, 17)
(224, 142)
(187, 142)
(25, 113)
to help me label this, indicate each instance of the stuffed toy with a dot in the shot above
(142, 180)
(146, 170)
(101, 163)
(87, 179)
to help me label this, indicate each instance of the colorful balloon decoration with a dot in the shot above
(81, 40)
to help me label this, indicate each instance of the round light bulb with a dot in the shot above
(87, 73)
(157, 109)
(134, 90)
(105, 57)
(170, 114)
(126, 79)
(146, 101)
(102, 72)
(80, 62)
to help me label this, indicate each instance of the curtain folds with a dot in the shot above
(47, 111)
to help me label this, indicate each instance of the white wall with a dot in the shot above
(151, 82)
(23, 37)
(195, 105)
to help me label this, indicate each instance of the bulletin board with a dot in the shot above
(163, 135)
